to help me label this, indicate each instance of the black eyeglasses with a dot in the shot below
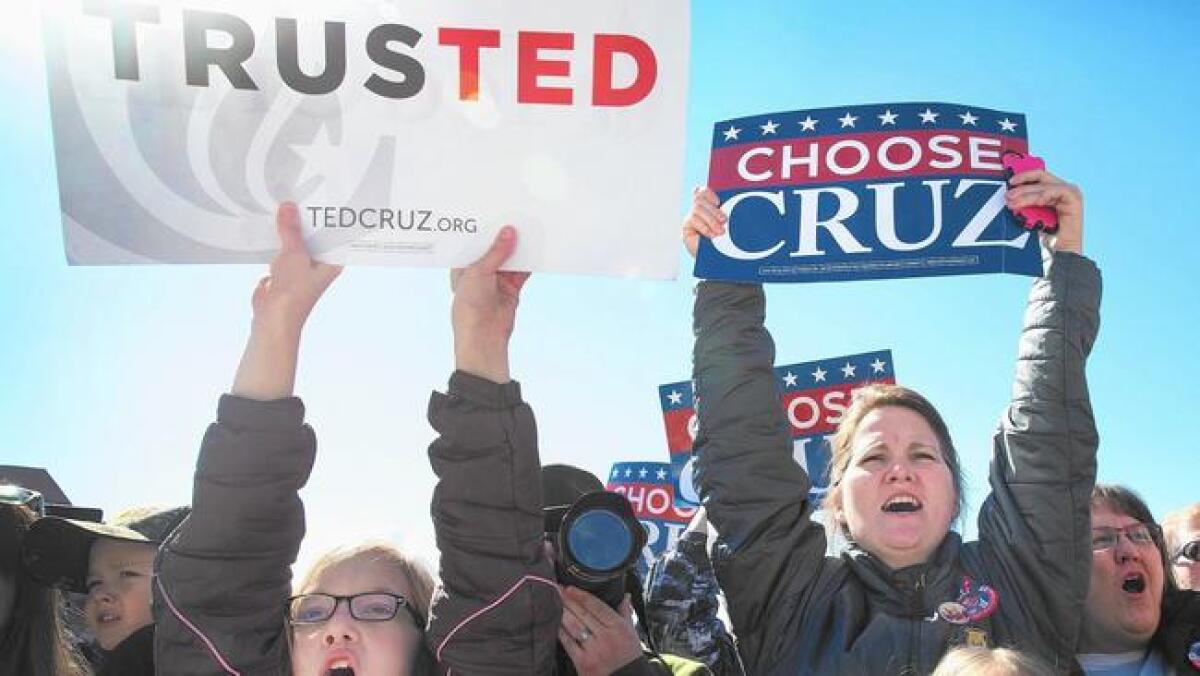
(1106, 537)
(1187, 554)
(23, 497)
(368, 607)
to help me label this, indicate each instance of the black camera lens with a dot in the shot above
(599, 540)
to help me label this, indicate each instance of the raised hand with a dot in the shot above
(1040, 188)
(705, 219)
(282, 302)
(484, 309)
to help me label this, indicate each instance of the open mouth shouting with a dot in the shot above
(1133, 583)
(902, 504)
(339, 663)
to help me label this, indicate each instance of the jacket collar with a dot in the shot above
(912, 591)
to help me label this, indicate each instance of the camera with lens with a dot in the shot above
(596, 536)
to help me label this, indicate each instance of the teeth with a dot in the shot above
(902, 503)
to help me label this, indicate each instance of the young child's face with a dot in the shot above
(362, 648)
(118, 601)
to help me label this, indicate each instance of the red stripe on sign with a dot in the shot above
(653, 501)
(676, 422)
(855, 157)
(820, 409)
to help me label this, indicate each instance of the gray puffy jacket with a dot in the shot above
(797, 611)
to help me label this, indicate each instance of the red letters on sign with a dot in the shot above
(533, 65)
(603, 93)
(530, 67)
(469, 41)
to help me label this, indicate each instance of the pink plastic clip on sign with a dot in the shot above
(1030, 218)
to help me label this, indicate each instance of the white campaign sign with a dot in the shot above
(407, 132)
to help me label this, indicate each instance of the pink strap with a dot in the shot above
(212, 649)
(470, 618)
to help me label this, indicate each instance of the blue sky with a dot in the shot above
(111, 374)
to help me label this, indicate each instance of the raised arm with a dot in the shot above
(223, 578)
(1036, 520)
(754, 491)
(497, 609)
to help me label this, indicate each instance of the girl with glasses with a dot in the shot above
(223, 597)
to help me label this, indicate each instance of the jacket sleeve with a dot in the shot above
(497, 610)
(682, 604)
(1036, 522)
(769, 549)
(223, 578)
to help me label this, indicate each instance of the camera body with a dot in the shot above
(597, 542)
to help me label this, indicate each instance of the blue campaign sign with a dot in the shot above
(651, 493)
(866, 192)
(814, 396)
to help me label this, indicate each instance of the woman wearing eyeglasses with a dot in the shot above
(223, 597)
(1136, 621)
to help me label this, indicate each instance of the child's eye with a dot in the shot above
(92, 584)
(129, 572)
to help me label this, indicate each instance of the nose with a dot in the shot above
(102, 593)
(899, 471)
(1125, 549)
(341, 628)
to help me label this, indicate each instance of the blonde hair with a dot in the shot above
(1177, 521)
(866, 400)
(977, 661)
(414, 572)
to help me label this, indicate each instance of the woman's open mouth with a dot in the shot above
(1134, 583)
(901, 504)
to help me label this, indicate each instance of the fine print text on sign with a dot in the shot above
(408, 133)
(866, 192)
(649, 489)
(814, 396)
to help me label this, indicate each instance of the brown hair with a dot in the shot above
(866, 400)
(420, 582)
(991, 662)
(36, 641)
(1125, 501)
